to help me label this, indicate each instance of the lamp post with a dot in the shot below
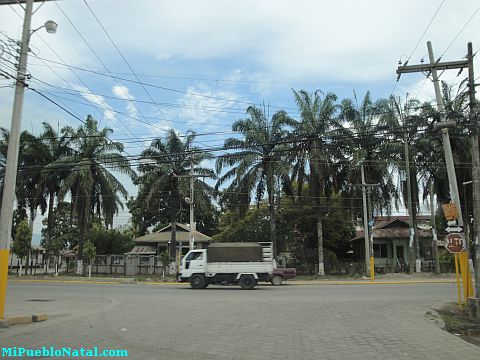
(8, 198)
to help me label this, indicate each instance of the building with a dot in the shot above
(391, 240)
(159, 241)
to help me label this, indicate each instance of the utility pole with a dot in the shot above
(475, 168)
(192, 239)
(369, 255)
(432, 68)
(413, 244)
(190, 200)
(365, 222)
(8, 198)
(434, 231)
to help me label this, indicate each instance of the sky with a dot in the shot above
(143, 67)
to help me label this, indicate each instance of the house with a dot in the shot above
(391, 240)
(36, 258)
(159, 241)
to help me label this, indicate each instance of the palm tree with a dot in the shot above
(317, 150)
(412, 131)
(164, 179)
(51, 148)
(369, 145)
(90, 182)
(255, 163)
(28, 200)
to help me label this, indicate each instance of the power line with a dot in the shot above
(71, 70)
(418, 43)
(426, 29)
(97, 56)
(461, 30)
(126, 62)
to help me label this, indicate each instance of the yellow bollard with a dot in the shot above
(466, 276)
(3, 280)
(458, 281)
(372, 268)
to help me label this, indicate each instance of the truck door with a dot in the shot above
(195, 260)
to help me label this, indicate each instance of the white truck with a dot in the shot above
(228, 263)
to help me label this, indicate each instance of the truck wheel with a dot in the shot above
(276, 280)
(247, 282)
(198, 282)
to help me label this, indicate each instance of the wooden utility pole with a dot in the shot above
(413, 250)
(432, 68)
(434, 231)
(367, 229)
(475, 168)
(365, 221)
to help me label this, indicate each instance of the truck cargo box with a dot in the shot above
(234, 252)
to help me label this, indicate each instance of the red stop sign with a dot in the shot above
(455, 243)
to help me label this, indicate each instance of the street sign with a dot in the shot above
(455, 243)
(452, 229)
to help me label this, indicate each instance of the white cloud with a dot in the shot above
(163, 56)
(123, 92)
(98, 100)
(204, 107)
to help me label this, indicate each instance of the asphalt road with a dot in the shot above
(288, 322)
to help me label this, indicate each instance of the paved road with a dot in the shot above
(289, 322)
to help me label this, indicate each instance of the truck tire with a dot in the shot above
(198, 282)
(247, 282)
(276, 280)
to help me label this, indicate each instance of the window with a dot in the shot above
(380, 250)
(195, 256)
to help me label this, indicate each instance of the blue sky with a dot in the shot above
(207, 60)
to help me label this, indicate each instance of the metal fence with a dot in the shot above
(150, 265)
(123, 265)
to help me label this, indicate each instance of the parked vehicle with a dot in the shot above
(279, 275)
(228, 263)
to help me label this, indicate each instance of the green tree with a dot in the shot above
(64, 232)
(109, 241)
(166, 259)
(369, 144)
(255, 163)
(90, 252)
(90, 181)
(51, 146)
(316, 151)
(22, 242)
(164, 179)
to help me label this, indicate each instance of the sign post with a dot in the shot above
(456, 244)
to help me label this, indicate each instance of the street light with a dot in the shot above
(50, 26)
(10, 179)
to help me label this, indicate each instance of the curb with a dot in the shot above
(22, 320)
(401, 282)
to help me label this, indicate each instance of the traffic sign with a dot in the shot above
(455, 243)
(451, 229)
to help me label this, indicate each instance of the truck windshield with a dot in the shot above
(195, 256)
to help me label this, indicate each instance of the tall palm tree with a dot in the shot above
(164, 179)
(255, 163)
(317, 150)
(366, 136)
(90, 181)
(52, 146)
(413, 132)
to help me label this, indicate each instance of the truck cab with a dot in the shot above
(195, 261)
